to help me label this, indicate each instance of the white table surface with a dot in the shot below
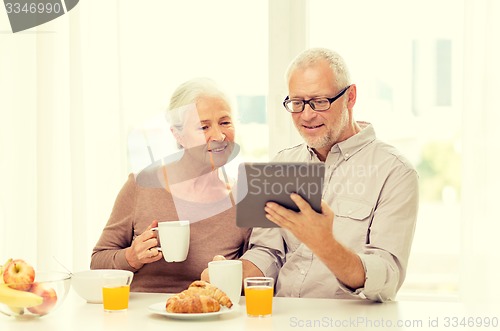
(288, 314)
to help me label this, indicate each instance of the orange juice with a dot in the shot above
(259, 300)
(115, 298)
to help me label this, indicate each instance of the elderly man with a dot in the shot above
(359, 245)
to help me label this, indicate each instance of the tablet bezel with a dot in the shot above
(276, 181)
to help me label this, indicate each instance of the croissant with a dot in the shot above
(192, 304)
(203, 288)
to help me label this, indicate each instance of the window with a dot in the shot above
(409, 79)
(179, 41)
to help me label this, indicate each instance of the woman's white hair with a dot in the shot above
(187, 94)
(313, 55)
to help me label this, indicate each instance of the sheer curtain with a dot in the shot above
(481, 152)
(72, 89)
(62, 146)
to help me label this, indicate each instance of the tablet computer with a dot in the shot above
(259, 183)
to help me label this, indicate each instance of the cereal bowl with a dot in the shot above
(88, 284)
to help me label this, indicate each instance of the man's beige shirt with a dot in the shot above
(373, 191)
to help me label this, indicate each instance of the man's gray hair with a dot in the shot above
(313, 55)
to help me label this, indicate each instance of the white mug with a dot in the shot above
(173, 237)
(227, 276)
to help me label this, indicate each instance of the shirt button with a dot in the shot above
(302, 272)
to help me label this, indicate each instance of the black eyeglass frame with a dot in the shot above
(308, 102)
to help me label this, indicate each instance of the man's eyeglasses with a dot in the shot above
(316, 104)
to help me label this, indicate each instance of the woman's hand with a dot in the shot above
(144, 248)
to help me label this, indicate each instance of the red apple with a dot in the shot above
(49, 298)
(19, 275)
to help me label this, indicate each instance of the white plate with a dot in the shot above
(159, 308)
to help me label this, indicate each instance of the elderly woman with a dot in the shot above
(191, 186)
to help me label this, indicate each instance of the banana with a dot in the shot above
(20, 299)
(17, 310)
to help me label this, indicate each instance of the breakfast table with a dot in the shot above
(288, 314)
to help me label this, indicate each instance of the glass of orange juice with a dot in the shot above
(259, 292)
(115, 292)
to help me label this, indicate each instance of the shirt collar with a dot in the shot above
(354, 144)
(312, 154)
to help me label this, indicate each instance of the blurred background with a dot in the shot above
(82, 97)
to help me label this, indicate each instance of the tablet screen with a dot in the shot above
(259, 183)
